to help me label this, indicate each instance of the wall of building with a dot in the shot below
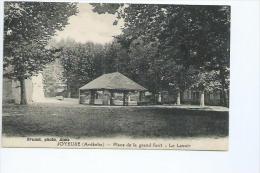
(33, 88)
(16, 91)
(7, 95)
(192, 97)
(37, 88)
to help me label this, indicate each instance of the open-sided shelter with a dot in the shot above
(108, 85)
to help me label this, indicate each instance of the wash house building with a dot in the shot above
(111, 89)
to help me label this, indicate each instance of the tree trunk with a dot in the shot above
(178, 98)
(223, 92)
(227, 98)
(79, 97)
(68, 90)
(23, 100)
(153, 98)
(69, 94)
(160, 98)
(224, 98)
(202, 99)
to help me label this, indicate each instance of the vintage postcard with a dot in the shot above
(120, 76)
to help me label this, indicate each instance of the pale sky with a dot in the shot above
(89, 26)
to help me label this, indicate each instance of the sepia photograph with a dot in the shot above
(116, 76)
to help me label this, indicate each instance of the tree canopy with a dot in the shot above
(28, 26)
(191, 42)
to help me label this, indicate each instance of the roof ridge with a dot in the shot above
(114, 80)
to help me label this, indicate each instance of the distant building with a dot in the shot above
(11, 91)
(33, 89)
(192, 97)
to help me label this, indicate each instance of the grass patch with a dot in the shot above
(84, 121)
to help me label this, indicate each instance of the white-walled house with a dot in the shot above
(33, 89)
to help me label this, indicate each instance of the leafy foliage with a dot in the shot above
(81, 63)
(192, 42)
(53, 79)
(206, 81)
(28, 26)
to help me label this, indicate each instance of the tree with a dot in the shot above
(28, 26)
(25, 62)
(53, 78)
(81, 63)
(196, 36)
(203, 39)
(205, 82)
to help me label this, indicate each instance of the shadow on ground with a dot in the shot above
(85, 121)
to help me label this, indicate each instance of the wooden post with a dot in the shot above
(106, 97)
(124, 94)
(111, 97)
(140, 96)
(127, 98)
(125, 102)
(92, 97)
